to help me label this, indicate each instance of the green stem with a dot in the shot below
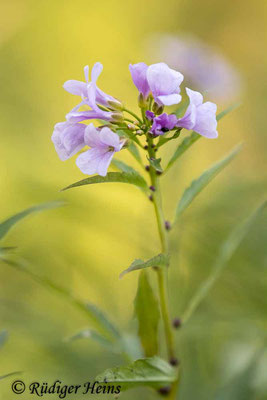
(133, 114)
(162, 272)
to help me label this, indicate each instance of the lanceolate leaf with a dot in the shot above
(6, 225)
(227, 250)
(200, 183)
(133, 178)
(122, 166)
(156, 261)
(153, 372)
(193, 137)
(93, 313)
(155, 163)
(133, 149)
(147, 312)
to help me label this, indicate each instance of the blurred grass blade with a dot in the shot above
(133, 178)
(157, 261)
(6, 225)
(201, 182)
(152, 372)
(193, 137)
(227, 250)
(122, 166)
(146, 310)
(227, 111)
(96, 316)
(10, 374)
(95, 336)
(3, 337)
(103, 320)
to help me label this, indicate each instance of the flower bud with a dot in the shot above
(142, 102)
(157, 109)
(131, 127)
(115, 105)
(117, 117)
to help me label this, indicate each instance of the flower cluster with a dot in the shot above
(158, 86)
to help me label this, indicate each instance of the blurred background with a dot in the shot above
(85, 245)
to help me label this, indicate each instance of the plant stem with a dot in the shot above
(133, 114)
(162, 272)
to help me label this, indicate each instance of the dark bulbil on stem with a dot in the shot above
(177, 323)
(167, 225)
(174, 361)
(152, 188)
(164, 391)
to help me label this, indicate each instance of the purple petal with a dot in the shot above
(196, 98)
(138, 72)
(206, 123)
(92, 137)
(163, 80)
(94, 161)
(76, 87)
(189, 119)
(169, 100)
(109, 138)
(68, 139)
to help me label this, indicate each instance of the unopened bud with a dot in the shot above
(117, 117)
(132, 127)
(142, 102)
(139, 132)
(115, 105)
(158, 109)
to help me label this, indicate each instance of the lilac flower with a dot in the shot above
(164, 84)
(163, 123)
(162, 81)
(199, 116)
(104, 143)
(138, 72)
(68, 139)
(92, 96)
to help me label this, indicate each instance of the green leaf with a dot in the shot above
(95, 315)
(201, 182)
(182, 147)
(3, 337)
(6, 225)
(122, 166)
(96, 337)
(133, 149)
(157, 261)
(153, 372)
(164, 139)
(155, 163)
(226, 252)
(146, 309)
(193, 137)
(5, 250)
(133, 178)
